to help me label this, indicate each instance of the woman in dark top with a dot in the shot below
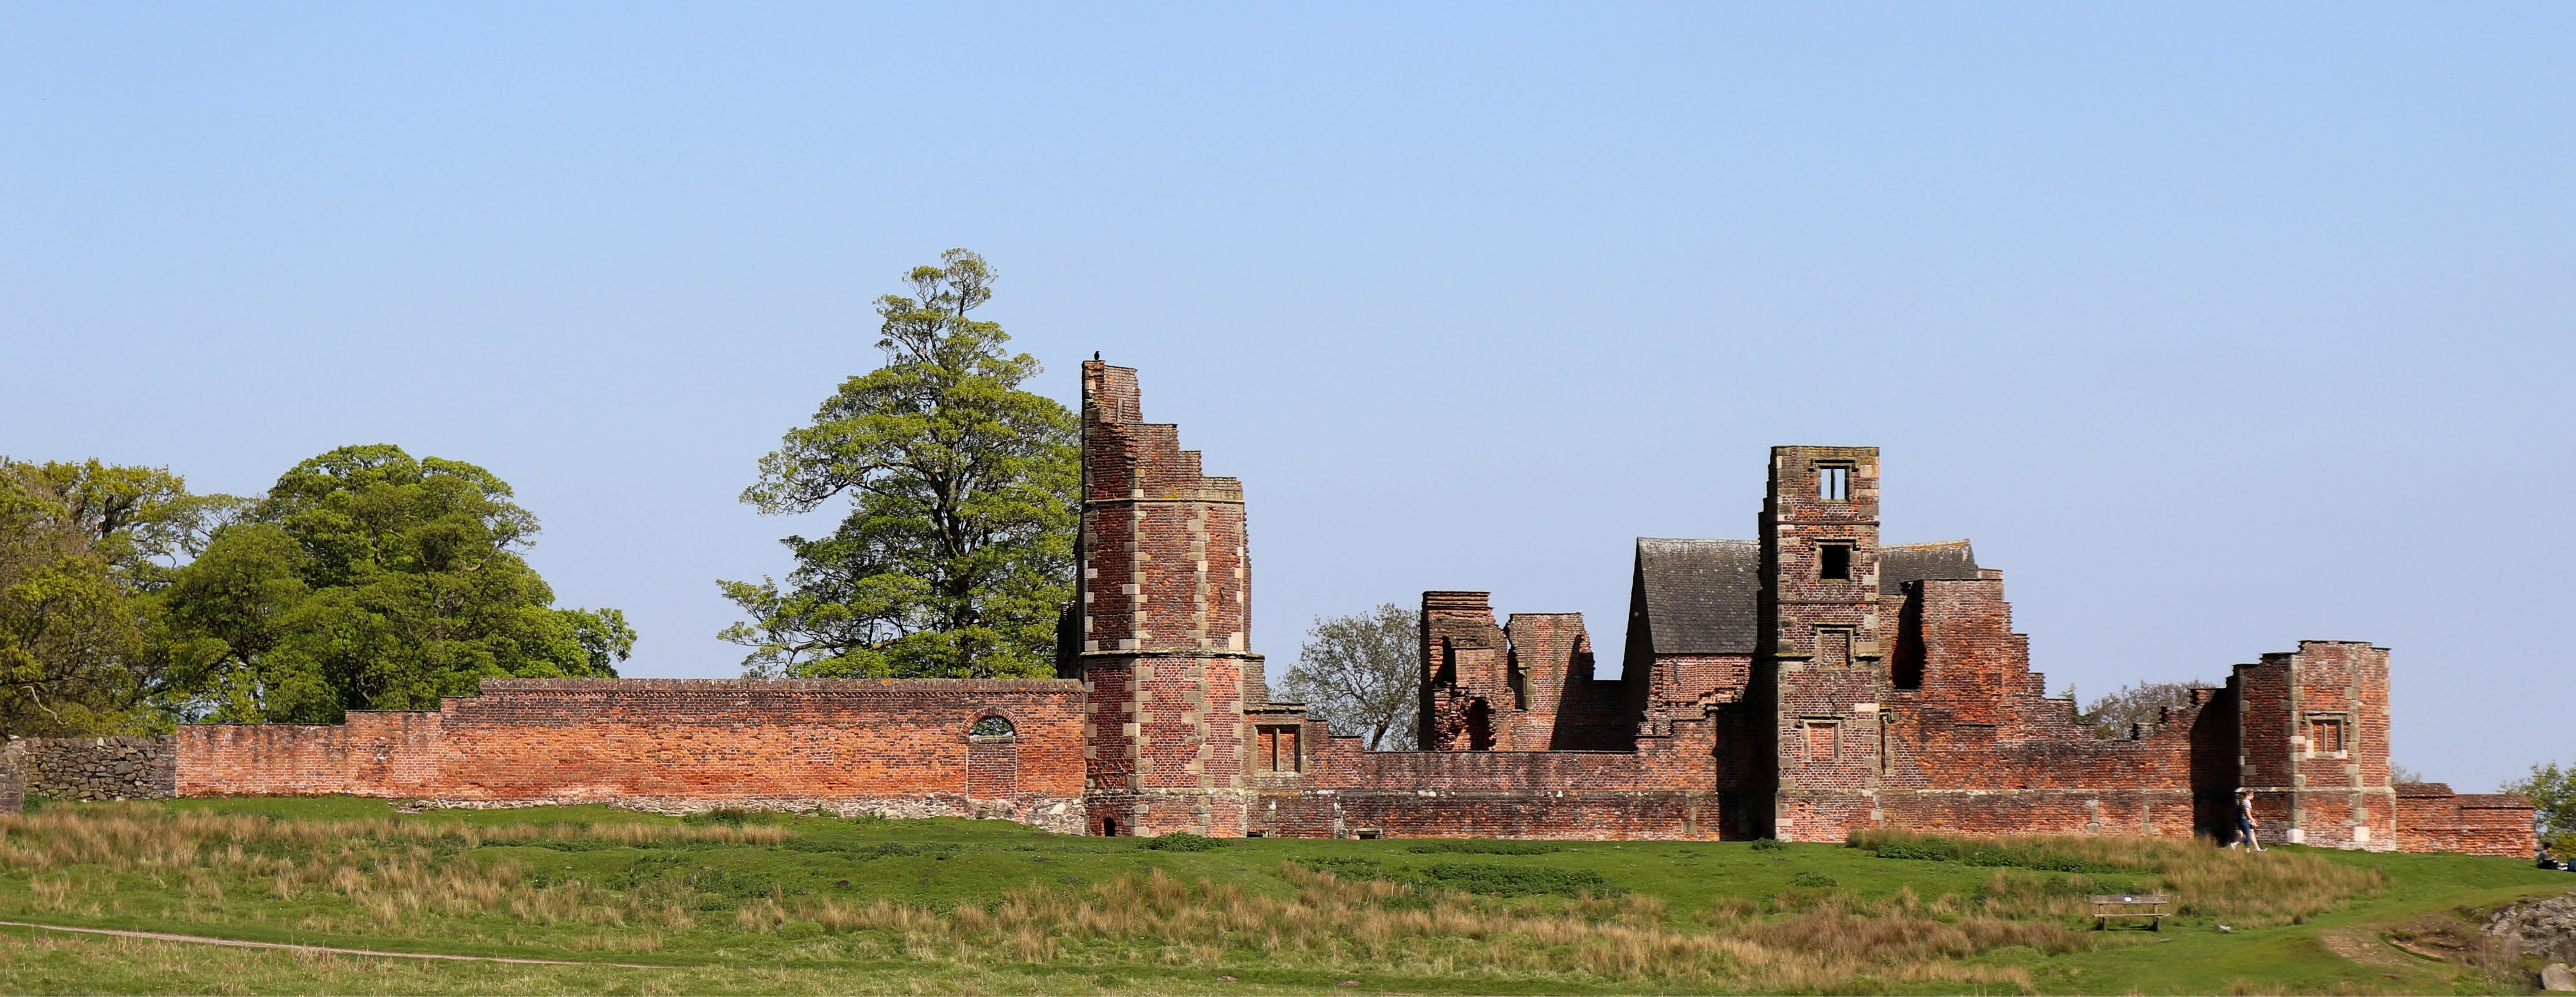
(2245, 822)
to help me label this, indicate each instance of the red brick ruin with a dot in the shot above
(1803, 685)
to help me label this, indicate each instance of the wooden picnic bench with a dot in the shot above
(2155, 907)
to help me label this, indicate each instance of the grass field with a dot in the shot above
(804, 904)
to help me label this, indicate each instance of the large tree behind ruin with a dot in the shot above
(957, 552)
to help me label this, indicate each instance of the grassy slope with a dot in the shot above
(976, 862)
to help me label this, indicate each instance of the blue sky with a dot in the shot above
(2217, 327)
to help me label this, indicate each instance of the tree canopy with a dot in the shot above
(2116, 716)
(957, 552)
(363, 579)
(2552, 792)
(370, 580)
(82, 549)
(1363, 674)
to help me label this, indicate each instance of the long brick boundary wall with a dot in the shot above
(894, 748)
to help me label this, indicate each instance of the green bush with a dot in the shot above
(1183, 842)
(1473, 847)
(1816, 879)
(1928, 850)
(1768, 845)
(735, 816)
(1513, 880)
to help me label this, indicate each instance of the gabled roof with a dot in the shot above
(1703, 596)
(1949, 560)
(1699, 596)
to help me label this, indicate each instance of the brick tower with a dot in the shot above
(2312, 730)
(1820, 649)
(1162, 598)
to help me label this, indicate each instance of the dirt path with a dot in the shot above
(202, 940)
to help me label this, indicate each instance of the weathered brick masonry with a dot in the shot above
(899, 748)
(1804, 684)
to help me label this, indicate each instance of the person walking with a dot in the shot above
(2245, 823)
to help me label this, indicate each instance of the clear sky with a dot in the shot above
(2216, 327)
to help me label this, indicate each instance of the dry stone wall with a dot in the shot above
(96, 768)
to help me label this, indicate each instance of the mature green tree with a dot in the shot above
(957, 552)
(370, 580)
(82, 548)
(2552, 792)
(1363, 674)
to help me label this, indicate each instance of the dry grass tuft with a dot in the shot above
(2249, 888)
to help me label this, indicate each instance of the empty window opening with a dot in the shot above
(1833, 483)
(1833, 562)
(1277, 750)
(1886, 748)
(992, 727)
(1824, 740)
(1480, 726)
(1448, 670)
(1108, 827)
(1518, 680)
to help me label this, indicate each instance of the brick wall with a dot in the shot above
(2432, 818)
(896, 747)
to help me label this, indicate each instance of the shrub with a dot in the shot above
(1514, 880)
(1183, 842)
(1926, 850)
(1473, 847)
(735, 816)
(1768, 845)
(1814, 879)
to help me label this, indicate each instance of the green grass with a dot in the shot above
(755, 903)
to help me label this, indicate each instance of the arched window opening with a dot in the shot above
(993, 727)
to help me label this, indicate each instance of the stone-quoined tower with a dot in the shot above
(1162, 609)
(1820, 649)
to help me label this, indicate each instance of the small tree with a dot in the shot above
(2552, 792)
(2112, 717)
(957, 554)
(1361, 672)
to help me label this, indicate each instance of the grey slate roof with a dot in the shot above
(1703, 596)
(1700, 596)
(1952, 559)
